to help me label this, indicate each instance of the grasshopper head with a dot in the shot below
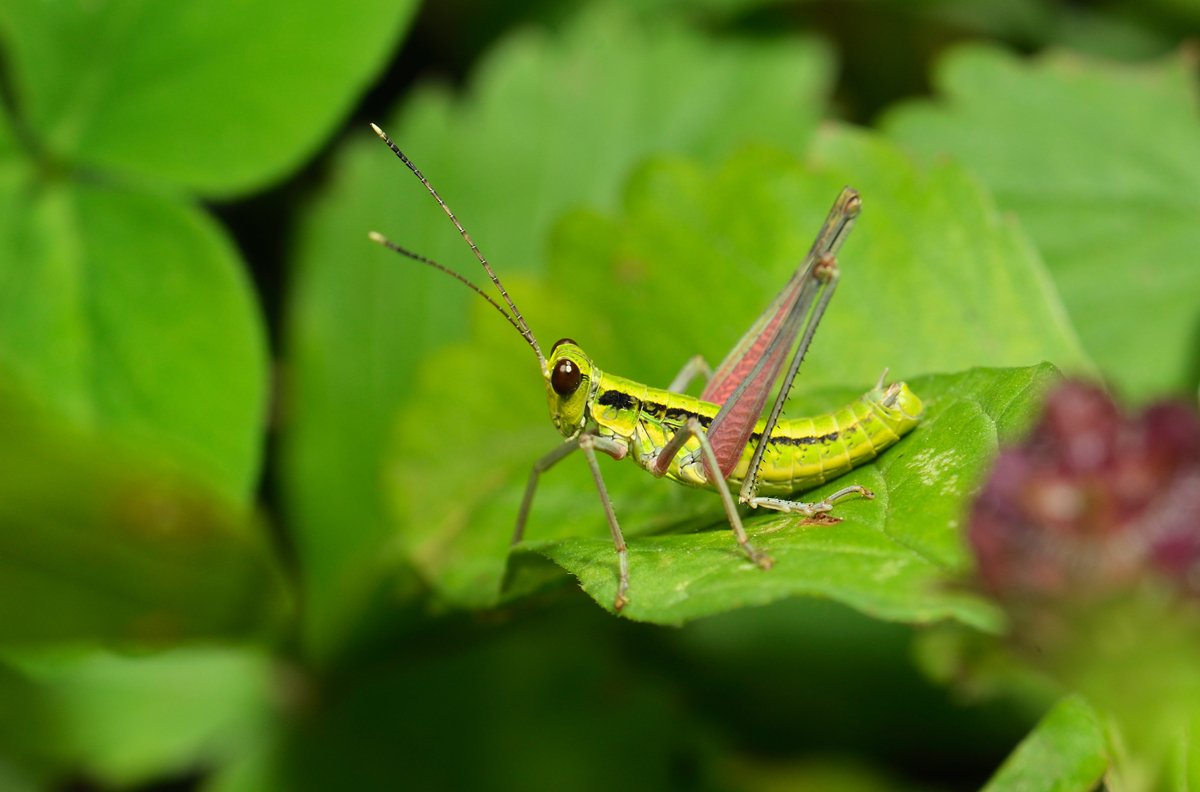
(568, 384)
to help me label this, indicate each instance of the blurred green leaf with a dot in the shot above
(1184, 767)
(13, 780)
(1065, 752)
(127, 719)
(548, 123)
(1134, 657)
(29, 733)
(816, 674)
(1100, 163)
(130, 312)
(931, 280)
(217, 95)
(8, 141)
(826, 774)
(504, 692)
(1120, 30)
(99, 543)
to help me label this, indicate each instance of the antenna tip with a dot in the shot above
(378, 131)
(377, 237)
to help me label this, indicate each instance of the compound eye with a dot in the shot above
(565, 378)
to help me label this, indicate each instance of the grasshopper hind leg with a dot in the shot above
(808, 509)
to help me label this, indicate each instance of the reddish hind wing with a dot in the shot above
(744, 379)
(730, 430)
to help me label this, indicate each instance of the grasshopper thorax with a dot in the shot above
(570, 378)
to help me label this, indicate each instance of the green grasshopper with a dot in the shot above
(717, 439)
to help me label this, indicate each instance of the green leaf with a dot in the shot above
(28, 733)
(176, 711)
(504, 694)
(130, 313)
(650, 289)
(548, 123)
(1099, 162)
(218, 95)
(127, 310)
(1065, 752)
(1184, 761)
(8, 140)
(100, 543)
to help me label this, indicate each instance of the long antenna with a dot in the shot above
(516, 319)
(380, 239)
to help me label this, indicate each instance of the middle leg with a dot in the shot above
(693, 429)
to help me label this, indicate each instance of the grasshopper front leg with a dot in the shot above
(589, 444)
(540, 467)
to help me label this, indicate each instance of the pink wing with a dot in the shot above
(744, 379)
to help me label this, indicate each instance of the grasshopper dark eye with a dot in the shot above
(565, 378)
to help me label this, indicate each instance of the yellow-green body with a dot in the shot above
(802, 452)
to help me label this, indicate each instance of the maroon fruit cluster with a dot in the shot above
(1093, 501)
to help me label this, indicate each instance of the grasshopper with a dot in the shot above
(719, 439)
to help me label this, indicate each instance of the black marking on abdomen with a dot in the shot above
(784, 440)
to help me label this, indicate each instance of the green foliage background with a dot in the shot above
(258, 476)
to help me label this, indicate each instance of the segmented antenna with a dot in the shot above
(516, 319)
(380, 239)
